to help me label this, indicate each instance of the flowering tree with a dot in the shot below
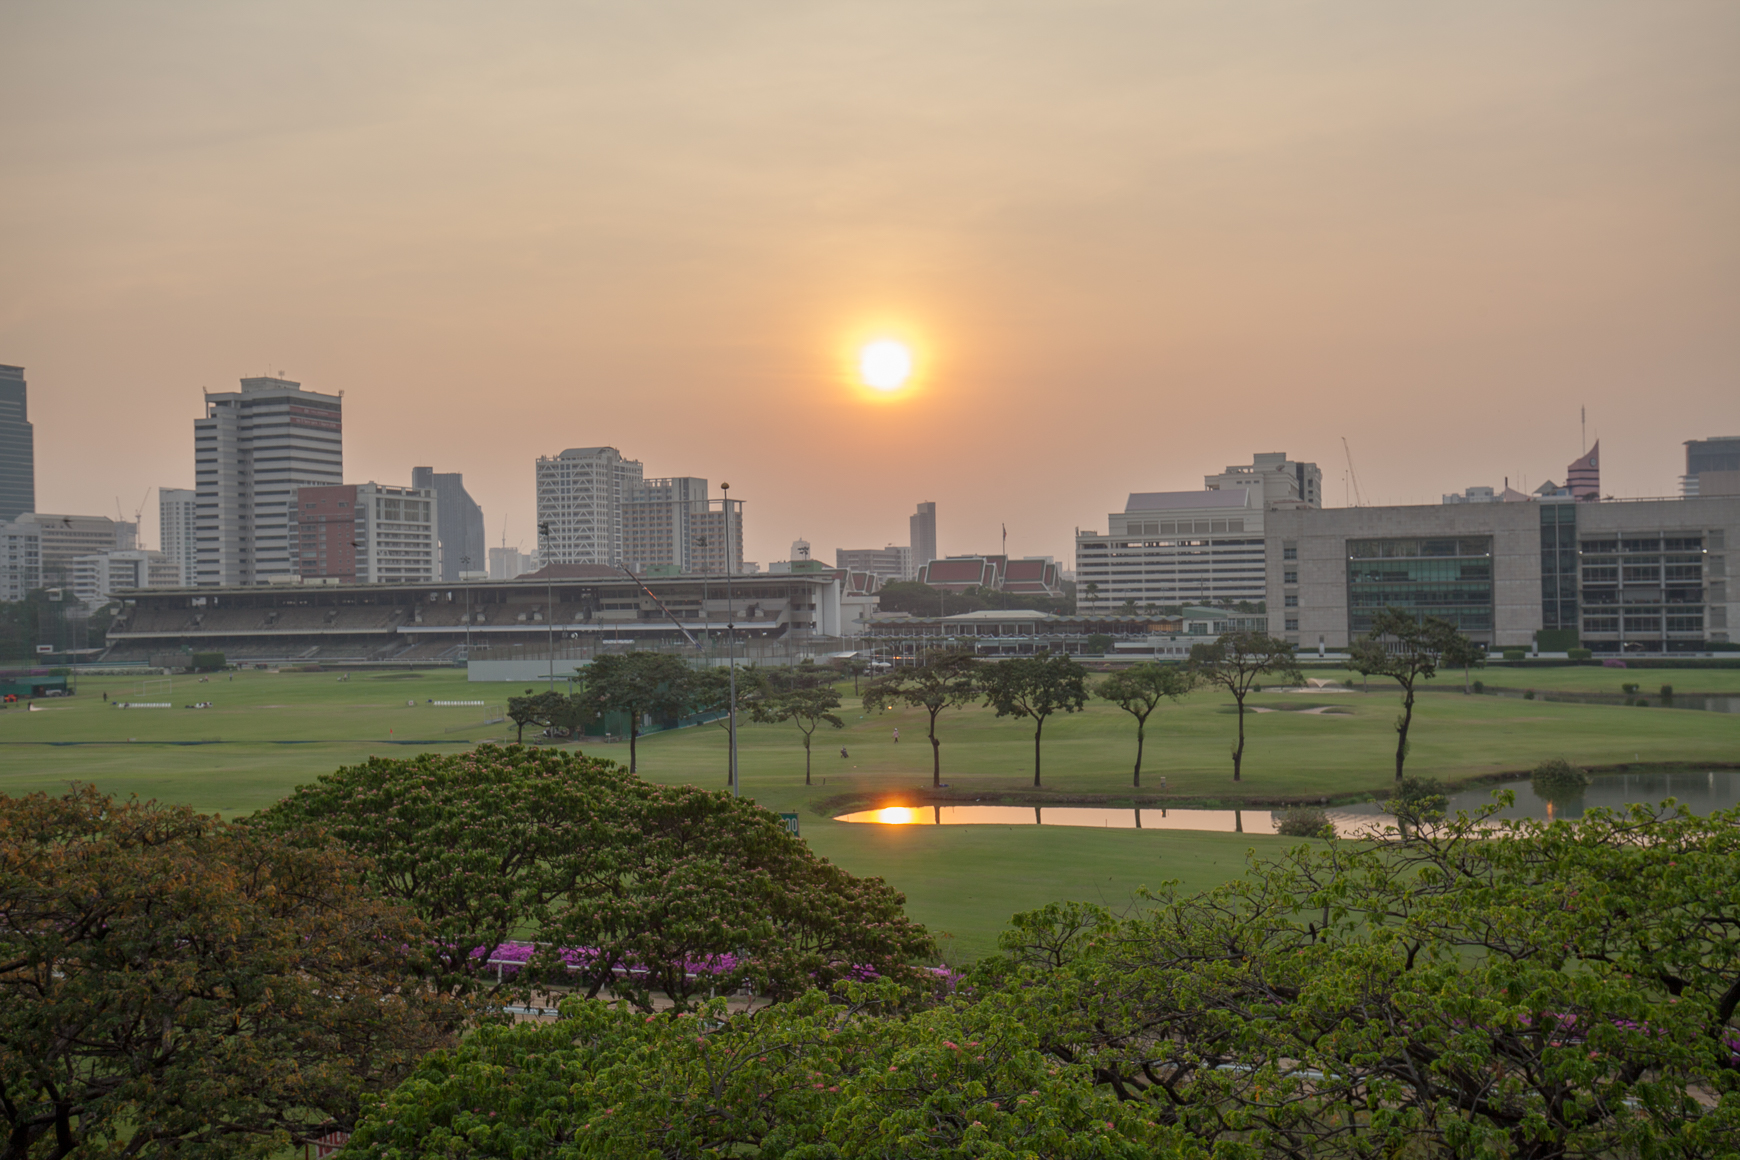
(172, 984)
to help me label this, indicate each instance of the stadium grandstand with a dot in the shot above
(577, 607)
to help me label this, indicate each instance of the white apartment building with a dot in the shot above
(20, 559)
(893, 562)
(1169, 548)
(581, 495)
(252, 450)
(176, 518)
(64, 538)
(97, 577)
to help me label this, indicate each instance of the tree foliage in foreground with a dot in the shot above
(1525, 991)
(655, 882)
(171, 984)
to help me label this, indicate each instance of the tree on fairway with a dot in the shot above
(944, 681)
(548, 709)
(1034, 687)
(855, 667)
(1408, 649)
(1234, 662)
(806, 705)
(708, 692)
(638, 684)
(1139, 690)
(178, 985)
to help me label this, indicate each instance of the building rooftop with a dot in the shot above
(1161, 501)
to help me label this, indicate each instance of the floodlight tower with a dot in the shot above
(730, 636)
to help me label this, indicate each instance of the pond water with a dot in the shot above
(1701, 792)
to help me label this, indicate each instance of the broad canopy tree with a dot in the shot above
(173, 984)
(1138, 691)
(1035, 688)
(1409, 649)
(638, 684)
(946, 680)
(633, 888)
(1234, 662)
(548, 709)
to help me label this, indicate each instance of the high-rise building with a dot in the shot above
(64, 538)
(251, 451)
(893, 562)
(1583, 478)
(923, 534)
(1275, 479)
(366, 533)
(97, 577)
(17, 446)
(1719, 454)
(20, 559)
(581, 494)
(176, 513)
(461, 531)
(659, 524)
(508, 563)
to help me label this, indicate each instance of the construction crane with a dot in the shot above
(1358, 499)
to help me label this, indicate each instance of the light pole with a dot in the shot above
(549, 600)
(730, 634)
(465, 566)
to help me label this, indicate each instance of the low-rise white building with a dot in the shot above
(99, 576)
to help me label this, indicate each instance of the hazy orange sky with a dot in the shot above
(1135, 242)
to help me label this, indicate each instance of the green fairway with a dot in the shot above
(268, 732)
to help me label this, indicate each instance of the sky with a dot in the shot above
(1129, 244)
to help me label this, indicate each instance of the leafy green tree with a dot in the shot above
(638, 684)
(861, 1077)
(1098, 643)
(672, 889)
(173, 984)
(854, 667)
(1035, 688)
(806, 706)
(1408, 649)
(944, 681)
(1234, 662)
(546, 709)
(1138, 691)
(708, 694)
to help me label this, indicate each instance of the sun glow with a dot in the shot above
(885, 364)
(894, 816)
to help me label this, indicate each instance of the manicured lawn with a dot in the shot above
(269, 732)
(1584, 678)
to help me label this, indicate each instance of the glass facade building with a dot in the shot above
(1559, 569)
(17, 446)
(1448, 577)
(1643, 592)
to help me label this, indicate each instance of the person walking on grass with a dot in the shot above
(897, 735)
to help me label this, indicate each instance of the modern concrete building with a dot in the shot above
(64, 538)
(893, 562)
(1628, 576)
(99, 577)
(922, 527)
(177, 514)
(1174, 547)
(252, 450)
(366, 533)
(507, 563)
(1274, 479)
(581, 494)
(20, 559)
(1712, 455)
(461, 545)
(17, 446)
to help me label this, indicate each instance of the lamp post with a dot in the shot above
(465, 566)
(730, 634)
(549, 600)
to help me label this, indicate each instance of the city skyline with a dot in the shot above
(1438, 233)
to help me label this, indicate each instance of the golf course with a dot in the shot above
(266, 732)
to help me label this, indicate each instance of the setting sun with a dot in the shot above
(894, 816)
(885, 364)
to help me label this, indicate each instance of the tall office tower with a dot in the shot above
(581, 494)
(175, 521)
(366, 533)
(1720, 454)
(1584, 476)
(17, 447)
(251, 451)
(461, 529)
(507, 564)
(660, 527)
(1274, 478)
(923, 525)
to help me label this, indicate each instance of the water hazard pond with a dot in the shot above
(1701, 792)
